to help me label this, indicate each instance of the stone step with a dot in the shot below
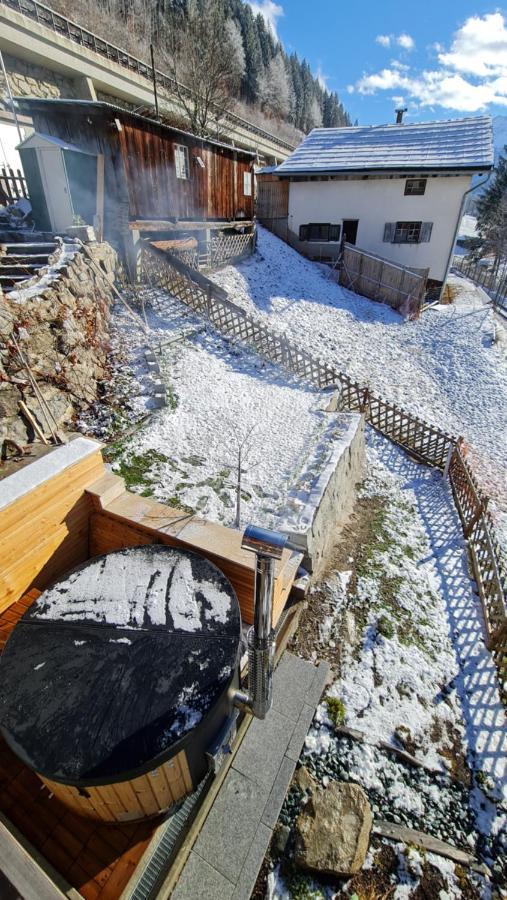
(5, 279)
(20, 257)
(28, 248)
(27, 269)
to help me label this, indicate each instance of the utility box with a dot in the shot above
(62, 182)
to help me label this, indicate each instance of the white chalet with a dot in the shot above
(394, 190)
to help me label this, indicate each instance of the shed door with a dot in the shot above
(81, 171)
(36, 194)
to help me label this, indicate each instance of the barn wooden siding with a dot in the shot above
(272, 197)
(140, 165)
(213, 192)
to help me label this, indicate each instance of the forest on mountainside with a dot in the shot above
(251, 74)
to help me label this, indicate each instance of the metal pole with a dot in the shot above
(154, 76)
(4, 70)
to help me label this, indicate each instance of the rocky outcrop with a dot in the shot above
(55, 332)
(332, 832)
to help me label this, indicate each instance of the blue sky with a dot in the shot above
(441, 58)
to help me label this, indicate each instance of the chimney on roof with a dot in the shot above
(399, 115)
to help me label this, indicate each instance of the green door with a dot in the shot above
(81, 171)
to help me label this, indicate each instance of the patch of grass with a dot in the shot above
(300, 887)
(137, 468)
(385, 627)
(171, 397)
(336, 710)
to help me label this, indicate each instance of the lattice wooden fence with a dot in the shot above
(425, 442)
(226, 247)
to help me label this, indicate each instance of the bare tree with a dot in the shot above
(275, 89)
(207, 62)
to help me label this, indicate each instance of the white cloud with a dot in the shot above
(269, 10)
(472, 73)
(321, 78)
(405, 41)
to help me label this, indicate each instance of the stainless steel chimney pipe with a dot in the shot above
(268, 546)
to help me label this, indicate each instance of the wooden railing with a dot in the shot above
(427, 443)
(12, 184)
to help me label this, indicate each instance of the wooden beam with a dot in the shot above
(27, 870)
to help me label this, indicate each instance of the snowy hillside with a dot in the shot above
(444, 368)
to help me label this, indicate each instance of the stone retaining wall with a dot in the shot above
(60, 323)
(28, 79)
(327, 488)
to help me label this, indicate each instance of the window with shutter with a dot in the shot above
(426, 229)
(415, 187)
(407, 233)
(181, 161)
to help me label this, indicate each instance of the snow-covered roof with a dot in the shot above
(454, 144)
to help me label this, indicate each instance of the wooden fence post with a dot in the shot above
(450, 451)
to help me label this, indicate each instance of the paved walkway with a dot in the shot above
(231, 846)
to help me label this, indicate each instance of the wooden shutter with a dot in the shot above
(426, 228)
(303, 232)
(389, 229)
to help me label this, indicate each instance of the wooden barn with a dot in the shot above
(150, 177)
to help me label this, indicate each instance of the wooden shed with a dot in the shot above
(152, 171)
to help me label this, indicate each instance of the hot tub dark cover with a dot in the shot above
(109, 671)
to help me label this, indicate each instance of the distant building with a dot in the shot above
(394, 190)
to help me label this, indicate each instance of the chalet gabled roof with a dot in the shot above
(451, 145)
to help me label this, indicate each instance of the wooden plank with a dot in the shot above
(425, 841)
(19, 864)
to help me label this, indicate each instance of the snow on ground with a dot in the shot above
(421, 677)
(443, 368)
(220, 396)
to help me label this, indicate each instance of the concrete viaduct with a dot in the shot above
(45, 54)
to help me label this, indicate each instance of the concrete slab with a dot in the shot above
(231, 846)
(230, 828)
(263, 749)
(278, 791)
(292, 679)
(200, 881)
(253, 862)
(300, 731)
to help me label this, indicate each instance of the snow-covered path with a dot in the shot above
(444, 367)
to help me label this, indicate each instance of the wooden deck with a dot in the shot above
(98, 860)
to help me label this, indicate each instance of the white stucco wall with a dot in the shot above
(379, 200)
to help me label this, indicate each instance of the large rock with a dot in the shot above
(333, 830)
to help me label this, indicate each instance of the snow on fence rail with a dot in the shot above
(428, 443)
(492, 282)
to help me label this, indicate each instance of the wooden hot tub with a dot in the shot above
(115, 685)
